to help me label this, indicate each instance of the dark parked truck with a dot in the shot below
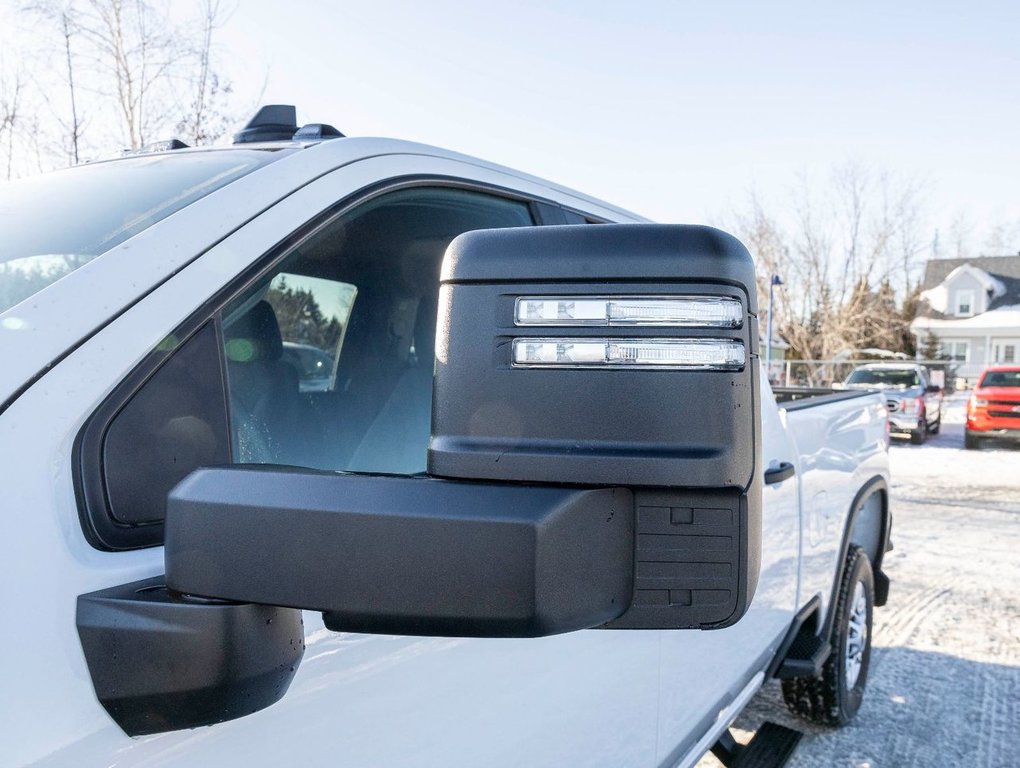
(915, 404)
(533, 503)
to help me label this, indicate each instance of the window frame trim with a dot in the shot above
(101, 529)
(960, 294)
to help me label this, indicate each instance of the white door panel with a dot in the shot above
(841, 447)
(581, 698)
(722, 661)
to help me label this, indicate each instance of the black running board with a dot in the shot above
(805, 657)
(772, 746)
(802, 652)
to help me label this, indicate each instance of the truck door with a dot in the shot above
(327, 322)
(735, 654)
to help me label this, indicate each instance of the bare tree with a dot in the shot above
(62, 16)
(126, 75)
(134, 49)
(961, 233)
(207, 110)
(1003, 238)
(11, 92)
(845, 247)
(68, 29)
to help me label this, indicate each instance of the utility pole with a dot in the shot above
(768, 348)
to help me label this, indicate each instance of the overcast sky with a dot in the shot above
(671, 109)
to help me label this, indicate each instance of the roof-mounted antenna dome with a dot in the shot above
(273, 122)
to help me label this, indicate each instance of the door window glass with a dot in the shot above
(173, 423)
(328, 362)
(312, 314)
(330, 357)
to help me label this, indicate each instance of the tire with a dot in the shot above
(919, 435)
(970, 442)
(834, 697)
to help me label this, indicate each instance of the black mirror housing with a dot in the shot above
(623, 355)
(630, 424)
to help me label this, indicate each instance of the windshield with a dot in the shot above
(1001, 379)
(884, 378)
(54, 223)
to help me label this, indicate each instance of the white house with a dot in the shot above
(973, 307)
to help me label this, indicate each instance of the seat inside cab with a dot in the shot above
(330, 356)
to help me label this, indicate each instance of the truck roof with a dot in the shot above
(333, 152)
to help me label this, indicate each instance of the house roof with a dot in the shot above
(1005, 270)
(937, 270)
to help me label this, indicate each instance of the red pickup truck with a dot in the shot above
(994, 406)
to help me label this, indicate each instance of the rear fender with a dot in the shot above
(868, 525)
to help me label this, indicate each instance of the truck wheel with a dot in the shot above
(970, 442)
(834, 697)
(919, 435)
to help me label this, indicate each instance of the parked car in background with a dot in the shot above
(914, 402)
(993, 409)
(314, 366)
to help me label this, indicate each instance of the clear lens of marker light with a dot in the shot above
(675, 311)
(663, 354)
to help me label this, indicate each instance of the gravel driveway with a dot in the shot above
(944, 685)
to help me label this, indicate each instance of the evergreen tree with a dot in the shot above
(301, 319)
(908, 313)
(931, 348)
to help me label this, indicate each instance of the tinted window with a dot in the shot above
(54, 223)
(175, 422)
(330, 357)
(884, 377)
(1000, 379)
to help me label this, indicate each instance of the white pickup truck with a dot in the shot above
(528, 501)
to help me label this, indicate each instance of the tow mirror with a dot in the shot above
(595, 439)
(622, 356)
(594, 462)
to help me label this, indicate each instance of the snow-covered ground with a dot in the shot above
(944, 684)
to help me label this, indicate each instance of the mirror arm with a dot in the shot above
(404, 555)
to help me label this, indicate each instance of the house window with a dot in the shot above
(1005, 351)
(965, 302)
(957, 351)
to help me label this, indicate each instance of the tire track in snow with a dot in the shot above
(899, 627)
